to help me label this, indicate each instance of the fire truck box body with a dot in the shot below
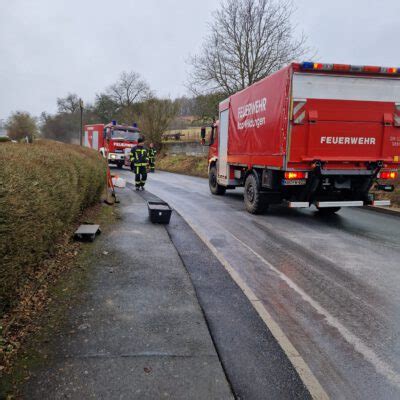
(311, 134)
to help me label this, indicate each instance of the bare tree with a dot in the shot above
(20, 125)
(249, 40)
(105, 108)
(63, 127)
(155, 116)
(68, 104)
(129, 89)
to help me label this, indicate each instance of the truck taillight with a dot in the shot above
(295, 175)
(388, 175)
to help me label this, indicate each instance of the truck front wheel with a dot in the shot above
(212, 181)
(120, 164)
(252, 196)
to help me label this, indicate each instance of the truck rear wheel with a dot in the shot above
(212, 181)
(328, 210)
(252, 196)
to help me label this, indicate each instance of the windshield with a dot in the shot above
(125, 135)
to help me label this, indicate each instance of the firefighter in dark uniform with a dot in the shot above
(139, 160)
(152, 157)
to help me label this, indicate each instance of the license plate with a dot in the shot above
(293, 182)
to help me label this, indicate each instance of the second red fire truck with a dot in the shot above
(112, 140)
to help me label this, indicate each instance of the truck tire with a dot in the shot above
(212, 181)
(252, 196)
(328, 210)
(120, 164)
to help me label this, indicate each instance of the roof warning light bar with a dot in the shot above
(311, 66)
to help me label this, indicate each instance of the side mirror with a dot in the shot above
(203, 136)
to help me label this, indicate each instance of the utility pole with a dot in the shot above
(81, 127)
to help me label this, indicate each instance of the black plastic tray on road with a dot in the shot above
(159, 212)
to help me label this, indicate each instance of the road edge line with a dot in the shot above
(382, 210)
(306, 375)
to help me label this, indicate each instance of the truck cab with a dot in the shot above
(114, 141)
(118, 142)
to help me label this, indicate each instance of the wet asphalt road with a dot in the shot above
(254, 363)
(332, 284)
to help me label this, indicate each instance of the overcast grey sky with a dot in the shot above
(51, 47)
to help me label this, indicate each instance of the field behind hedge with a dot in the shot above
(182, 164)
(44, 187)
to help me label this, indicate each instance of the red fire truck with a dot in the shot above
(113, 141)
(310, 134)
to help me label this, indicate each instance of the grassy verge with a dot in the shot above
(182, 164)
(28, 342)
(394, 197)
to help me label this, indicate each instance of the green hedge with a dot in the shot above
(44, 187)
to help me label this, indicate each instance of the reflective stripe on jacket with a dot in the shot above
(139, 156)
(152, 153)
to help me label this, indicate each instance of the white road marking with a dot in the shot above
(310, 381)
(308, 378)
(305, 373)
(380, 366)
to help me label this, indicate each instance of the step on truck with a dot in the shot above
(114, 141)
(309, 134)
